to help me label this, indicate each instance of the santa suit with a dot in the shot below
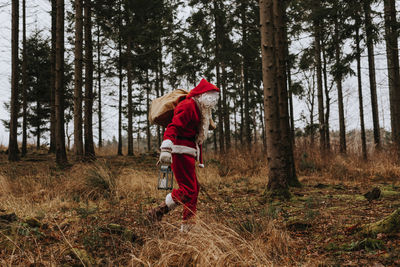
(182, 131)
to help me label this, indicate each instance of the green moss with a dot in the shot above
(388, 225)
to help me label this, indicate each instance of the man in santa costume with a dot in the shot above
(181, 147)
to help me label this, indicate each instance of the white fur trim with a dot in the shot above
(176, 149)
(170, 202)
(166, 144)
(201, 165)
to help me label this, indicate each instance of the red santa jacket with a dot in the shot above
(185, 124)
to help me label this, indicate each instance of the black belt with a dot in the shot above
(186, 138)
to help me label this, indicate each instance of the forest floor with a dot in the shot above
(93, 214)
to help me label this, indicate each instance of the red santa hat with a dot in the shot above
(201, 88)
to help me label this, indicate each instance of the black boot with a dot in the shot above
(156, 214)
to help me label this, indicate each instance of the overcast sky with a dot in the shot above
(38, 18)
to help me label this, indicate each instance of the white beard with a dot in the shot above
(206, 102)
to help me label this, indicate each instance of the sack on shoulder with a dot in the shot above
(162, 108)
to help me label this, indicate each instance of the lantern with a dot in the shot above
(166, 178)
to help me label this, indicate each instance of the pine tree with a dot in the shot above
(13, 142)
(78, 121)
(61, 155)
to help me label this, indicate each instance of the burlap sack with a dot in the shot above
(162, 108)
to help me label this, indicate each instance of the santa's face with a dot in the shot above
(209, 99)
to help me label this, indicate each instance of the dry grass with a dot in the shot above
(232, 229)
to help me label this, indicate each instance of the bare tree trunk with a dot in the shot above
(372, 76)
(147, 111)
(278, 172)
(327, 102)
(78, 135)
(218, 47)
(392, 54)
(338, 79)
(38, 132)
(13, 141)
(158, 95)
(52, 148)
(320, 95)
(99, 112)
(246, 125)
(360, 95)
(120, 86)
(226, 109)
(130, 104)
(291, 109)
(24, 81)
(61, 155)
(89, 145)
(242, 119)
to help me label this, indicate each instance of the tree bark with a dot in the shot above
(24, 81)
(226, 108)
(99, 70)
(13, 141)
(245, 76)
(372, 76)
(120, 85)
(360, 95)
(88, 121)
(78, 136)
(130, 104)
(338, 79)
(278, 172)
(320, 95)
(61, 155)
(148, 133)
(327, 102)
(52, 148)
(392, 54)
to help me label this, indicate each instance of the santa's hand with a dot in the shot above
(165, 157)
(166, 149)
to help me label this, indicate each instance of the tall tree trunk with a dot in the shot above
(245, 74)
(24, 81)
(130, 104)
(158, 95)
(161, 64)
(38, 125)
(242, 93)
(278, 172)
(320, 95)
(264, 138)
(338, 79)
(120, 85)
(148, 133)
(52, 148)
(13, 141)
(78, 135)
(61, 155)
(89, 145)
(99, 112)
(291, 109)
(218, 47)
(226, 108)
(392, 54)
(360, 96)
(327, 101)
(281, 46)
(372, 76)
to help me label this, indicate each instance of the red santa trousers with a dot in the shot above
(184, 170)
